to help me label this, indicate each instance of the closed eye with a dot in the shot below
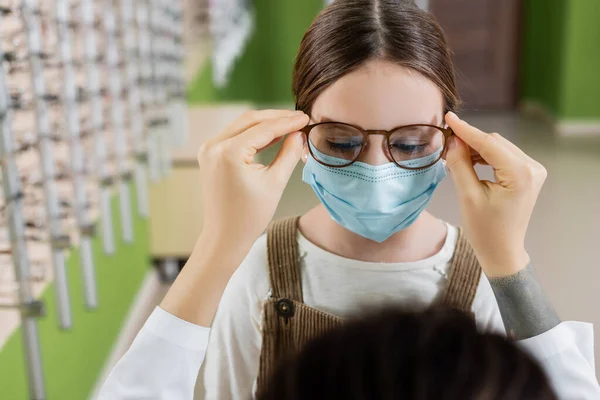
(409, 148)
(343, 146)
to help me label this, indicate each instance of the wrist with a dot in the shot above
(224, 233)
(507, 264)
(225, 252)
(195, 294)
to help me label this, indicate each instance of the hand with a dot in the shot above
(239, 195)
(495, 215)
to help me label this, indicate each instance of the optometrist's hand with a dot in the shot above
(495, 215)
(240, 195)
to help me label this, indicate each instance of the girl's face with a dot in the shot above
(380, 95)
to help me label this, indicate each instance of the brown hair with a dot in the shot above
(396, 354)
(349, 33)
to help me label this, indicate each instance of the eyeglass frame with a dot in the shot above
(447, 132)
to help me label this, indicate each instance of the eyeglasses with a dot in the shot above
(412, 147)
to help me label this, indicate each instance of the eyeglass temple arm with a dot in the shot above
(448, 132)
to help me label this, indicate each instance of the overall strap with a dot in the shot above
(464, 276)
(281, 313)
(283, 254)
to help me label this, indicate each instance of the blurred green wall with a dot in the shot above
(561, 57)
(581, 84)
(73, 360)
(263, 74)
(542, 51)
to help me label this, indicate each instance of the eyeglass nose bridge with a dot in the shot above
(369, 132)
(382, 132)
(377, 132)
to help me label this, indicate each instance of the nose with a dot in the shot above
(375, 151)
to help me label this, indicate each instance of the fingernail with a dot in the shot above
(299, 112)
(453, 115)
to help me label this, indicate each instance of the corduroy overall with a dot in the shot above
(288, 323)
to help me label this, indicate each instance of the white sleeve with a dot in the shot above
(162, 363)
(235, 342)
(566, 353)
(485, 308)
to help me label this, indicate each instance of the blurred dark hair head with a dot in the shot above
(431, 355)
(349, 33)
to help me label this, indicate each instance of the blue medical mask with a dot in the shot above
(373, 201)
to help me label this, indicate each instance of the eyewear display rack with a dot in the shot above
(92, 100)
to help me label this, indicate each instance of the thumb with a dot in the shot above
(458, 162)
(288, 156)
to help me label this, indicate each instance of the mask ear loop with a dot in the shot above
(445, 152)
(304, 153)
(445, 165)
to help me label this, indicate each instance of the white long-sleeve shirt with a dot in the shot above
(164, 360)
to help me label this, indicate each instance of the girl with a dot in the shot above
(390, 355)
(376, 78)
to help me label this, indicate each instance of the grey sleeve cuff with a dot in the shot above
(524, 307)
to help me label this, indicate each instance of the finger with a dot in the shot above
(250, 119)
(514, 148)
(477, 159)
(480, 161)
(458, 162)
(273, 143)
(475, 156)
(504, 142)
(264, 133)
(288, 157)
(497, 155)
